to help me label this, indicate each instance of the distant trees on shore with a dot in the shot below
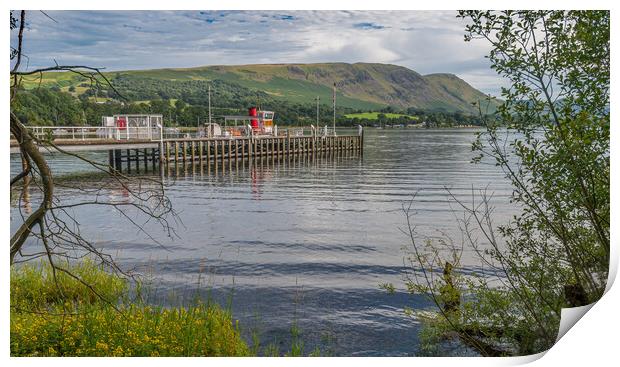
(53, 106)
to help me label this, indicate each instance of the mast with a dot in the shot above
(334, 102)
(209, 103)
(317, 111)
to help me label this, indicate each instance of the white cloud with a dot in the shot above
(425, 41)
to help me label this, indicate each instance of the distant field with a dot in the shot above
(375, 115)
(172, 101)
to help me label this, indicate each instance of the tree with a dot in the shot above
(51, 225)
(555, 152)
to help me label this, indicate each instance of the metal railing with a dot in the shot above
(83, 133)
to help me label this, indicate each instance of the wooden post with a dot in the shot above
(328, 140)
(117, 160)
(294, 150)
(291, 148)
(361, 141)
(236, 150)
(146, 161)
(184, 151)
(215, 152)
(325, 146)
(222, 156)
(229, 151)
(208, 153)
(154, 156)
(200, 151)
(328, 145)
(313, 145)
(335, 145)
(193, 151)
(128, 153)
(250, 148)
(110, 161)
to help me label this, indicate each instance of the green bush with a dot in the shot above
(67, 319)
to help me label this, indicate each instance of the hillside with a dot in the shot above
(360, 85)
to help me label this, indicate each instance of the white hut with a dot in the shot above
(132, 126)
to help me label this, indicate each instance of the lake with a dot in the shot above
(305, 242)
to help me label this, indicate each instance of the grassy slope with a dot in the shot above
(360, 85)
(458, 89)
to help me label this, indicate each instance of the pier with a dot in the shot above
(160, 149)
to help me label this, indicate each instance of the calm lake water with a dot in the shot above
(305, 242)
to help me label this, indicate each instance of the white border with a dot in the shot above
(592, 341)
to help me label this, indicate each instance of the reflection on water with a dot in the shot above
(307, 238)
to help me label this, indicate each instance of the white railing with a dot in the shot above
(83, 133)
(96, 133)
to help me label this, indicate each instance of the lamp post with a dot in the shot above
(317, 110)
(334, 103)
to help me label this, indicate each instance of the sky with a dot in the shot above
(424, 41)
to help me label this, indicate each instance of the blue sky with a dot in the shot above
(425, 41)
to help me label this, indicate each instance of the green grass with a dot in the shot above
(62, 317)
(375, 115)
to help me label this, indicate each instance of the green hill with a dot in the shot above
(360, 86)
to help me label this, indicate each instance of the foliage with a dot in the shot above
(188, 107)
(47, 107)
(555, 152)
(44, 323)
(359, 86)
(376, 115)
(290, 91)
